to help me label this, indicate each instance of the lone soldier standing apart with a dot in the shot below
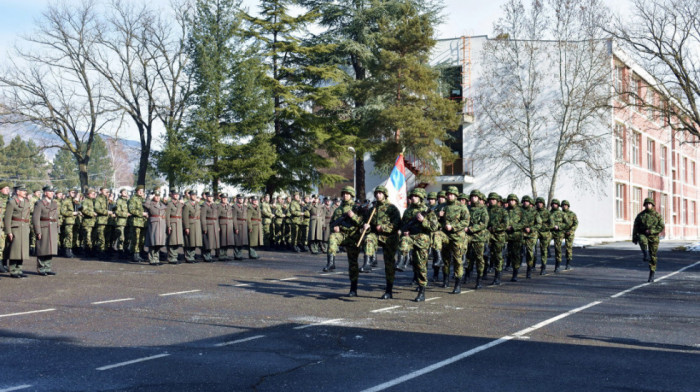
(255, 229)
(647, 226)
(191, 222)
(45, 221)
(16, 222)
(156, 237)
(138, 223)
(571, 223)
(173, 218)
(345, 231)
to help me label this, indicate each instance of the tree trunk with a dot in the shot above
(83, 174)
(360, 176)
(143, 164)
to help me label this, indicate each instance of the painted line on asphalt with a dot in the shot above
(242, 285)
(679, 271)
(17, 388)
(178, 292)
(384, 309)
(333, 321)
(239, 341)
(432, 299)
(112, 301)
(520, 335)
(286, 279)
(30, 312)
(116, 365)
(331, 273)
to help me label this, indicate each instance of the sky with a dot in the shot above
(462, 17)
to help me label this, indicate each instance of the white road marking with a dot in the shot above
(432, 299)
(679, 271)
(242, 285)
(111, 301)
(17, 388)
(132, 362)
(520, 335)
(333, 321)
(292, 278)
(330, 273)
(383, 309)
(239, 341)
(178, 292)
(30, 312)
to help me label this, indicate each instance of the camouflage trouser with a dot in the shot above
(437, 239)
(530, 244)
(138, 235)
(99, 237)
(514, 253)
(558, 239)
(389, 246)
(421, 247)
(570, 248)
(68, 236)
(650, 243)
(295, 235)
(267, 232)
(303, 237)
(337, 240)
(496, 253)
(476, 256)
(452, 252)
(405, 245)
(87, 237)
(118, 237)
(2, 245)
(287, 233)
(544, 238)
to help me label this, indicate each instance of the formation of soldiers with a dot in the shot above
(464, 234)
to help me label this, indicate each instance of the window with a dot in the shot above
(691, 213)
(636, 141)
(651, 155)
(693, 179)
(662, 207)
(636, 200)
(684, 170)
(664, 153)
(619, 142)
(620, 201)
(674, 210)
(619, 77)
(684, 211)
(632, 89)
(649, 98)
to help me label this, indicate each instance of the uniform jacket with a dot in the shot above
(349, 226)
(556, 217)
(479, 223)
(89, 214)
(135, 207)
(210, 226)
(515, 216)
(546, 218)
(498, 223)
(531, 219)
(388, 217)
(156, 234)
(16, 221)
(45, 222)
(457, 215)
(571, 223)
(254, 220)
(67, 209)
(295, 212)
(102, 210)
(240, 219)
(122, 211)
(226, 224)
(191, 220)
(173, 219)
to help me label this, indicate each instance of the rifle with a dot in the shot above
(408, 226)
(368, 221)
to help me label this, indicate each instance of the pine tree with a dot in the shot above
(24, 162)
(64, 170)
(65, 173)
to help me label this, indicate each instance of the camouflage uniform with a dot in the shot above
(88, 223)
(647, 226)
(419, 230)
(122, 213)
(530, 219)
(102, 211)
(514, 236)
(278, 224)
(3, 205)
(347, 237)
(138, 226)
(268, 216)
(437, 238)
(571, 223)
(556, 217)
(544, 234)
(457, 216)
(296, 217)
(498, 224)
(478, 236)
(67, 210)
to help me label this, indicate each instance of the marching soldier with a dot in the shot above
(211, 234)
(157, 227)
(268, 217)
(317, 221)
(647, 226)
(88, 221)
(137, 222)
(454, 218)
(45, 221)
(530, 223)
(240, 219)
(4, 198)
(478, 236)
(498, 224)
(173, 221)
(438, 237)
(556, 217)
(255, 229)
(121, 213)
(191, 222)
(16, 222)
(544, 234)
(514, 235)
(345, 232)
(569, 232)
(417, 224)
(226, 224)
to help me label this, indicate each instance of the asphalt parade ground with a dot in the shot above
(280, 324)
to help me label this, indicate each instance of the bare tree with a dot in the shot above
(664, 37)
(49, 82)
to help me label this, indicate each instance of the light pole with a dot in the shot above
(354, 168)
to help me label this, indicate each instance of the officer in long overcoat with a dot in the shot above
(317, 219)
(173, 219)
(226, 224)
(16, 221)
(240, 219)
(192, 226)
(156, 237)
(255, 227)
(45, 222)
(210, 227)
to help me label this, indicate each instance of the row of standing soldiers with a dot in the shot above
(456, 229)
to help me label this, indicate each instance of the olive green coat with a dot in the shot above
(156, 232)
(226, 224)
(240, 219)
(173, 220)
(211, 236)
(45, 221)
(317, 221)
(16, 222)
(191, 220)
(255, 229)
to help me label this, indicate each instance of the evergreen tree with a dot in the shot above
(23, 162)
(65, 173)
(64, 170)
(228, 126)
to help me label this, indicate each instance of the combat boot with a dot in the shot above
(458, 286)
(478, 282)
(568, 267)
(437, 259)
(297, 249)
(528, 273)
(436, 274)
(252, 253)
(373, 261)
(543, 269)
(402, 263)
(651, 277)
(445, 280)
(556, 266)
(496, 279)
(69, 253)
(421, 295)
(367, 266)
(388, 292)
(330, 264)
(515, 275)
(353, 289)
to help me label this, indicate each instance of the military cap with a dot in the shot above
(5, 184)
(254, 198)
(240, 196)
(475, 192)
(565, 203)
(60, 191)
(540, 200)
(432, 195)
(313, 196)
(36, 189)
(48, 188)
(382, 189)
(140, 187)
(156, 191)
(453, 190)
(173, 191)
(75, 189)
(649, 200)
(296, 193)
(555, 201)
(207, 194)
(526, 198)
(512, 196)
(462, 196)
(103, 188)
(494, 196)
(21, 187)
(223, 195)
(348, 189)
(336, 199)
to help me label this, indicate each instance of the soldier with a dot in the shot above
(69, 211)
(4, 198)
(647, 226)
(454, 218)
(191, 222)
(417, 225)
(463, 199)
(103, 214)
(514, 235)
(438, 237)
(268, 217)
(45, 221)
(296, 215)
(530, 223)
(16, 222)
(137, 222)
(544, 234)
(498, 224)
(571, 224)
(328, 210)
(383, 230)
(478, 236)
(226, 225)
(317, 220)
(111, 232)
(211, 234)
(173, 221)
(288, 224)
(240, 219)
(60, 196)
(33, 198)
(88, 222)
(556, 217)
(278, 223)
(157, 227)
(254, 221)
(303, 239)
(345, 231)
(121, 213)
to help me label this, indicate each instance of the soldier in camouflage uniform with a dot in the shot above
(498, 224)
(382, 230)
(571, 223)
(103, 214)
(454, 218)
(345, 231)
(88, 222)
(278, 223)
(438, 237)
(647, 226)
(268, 217)
(296, 215)
(288, 225)
(418, 224)
(544, 234)
(514, 235)
(4, 198)
(530, 223)
(556, 217)
(303, 238)
(69, 211)
(121, 212)
(478, 236)
(138, 221)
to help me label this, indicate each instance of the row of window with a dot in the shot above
(632, 89)
(684, 211)
(657, 161)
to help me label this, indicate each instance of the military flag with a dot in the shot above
(396, 185)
